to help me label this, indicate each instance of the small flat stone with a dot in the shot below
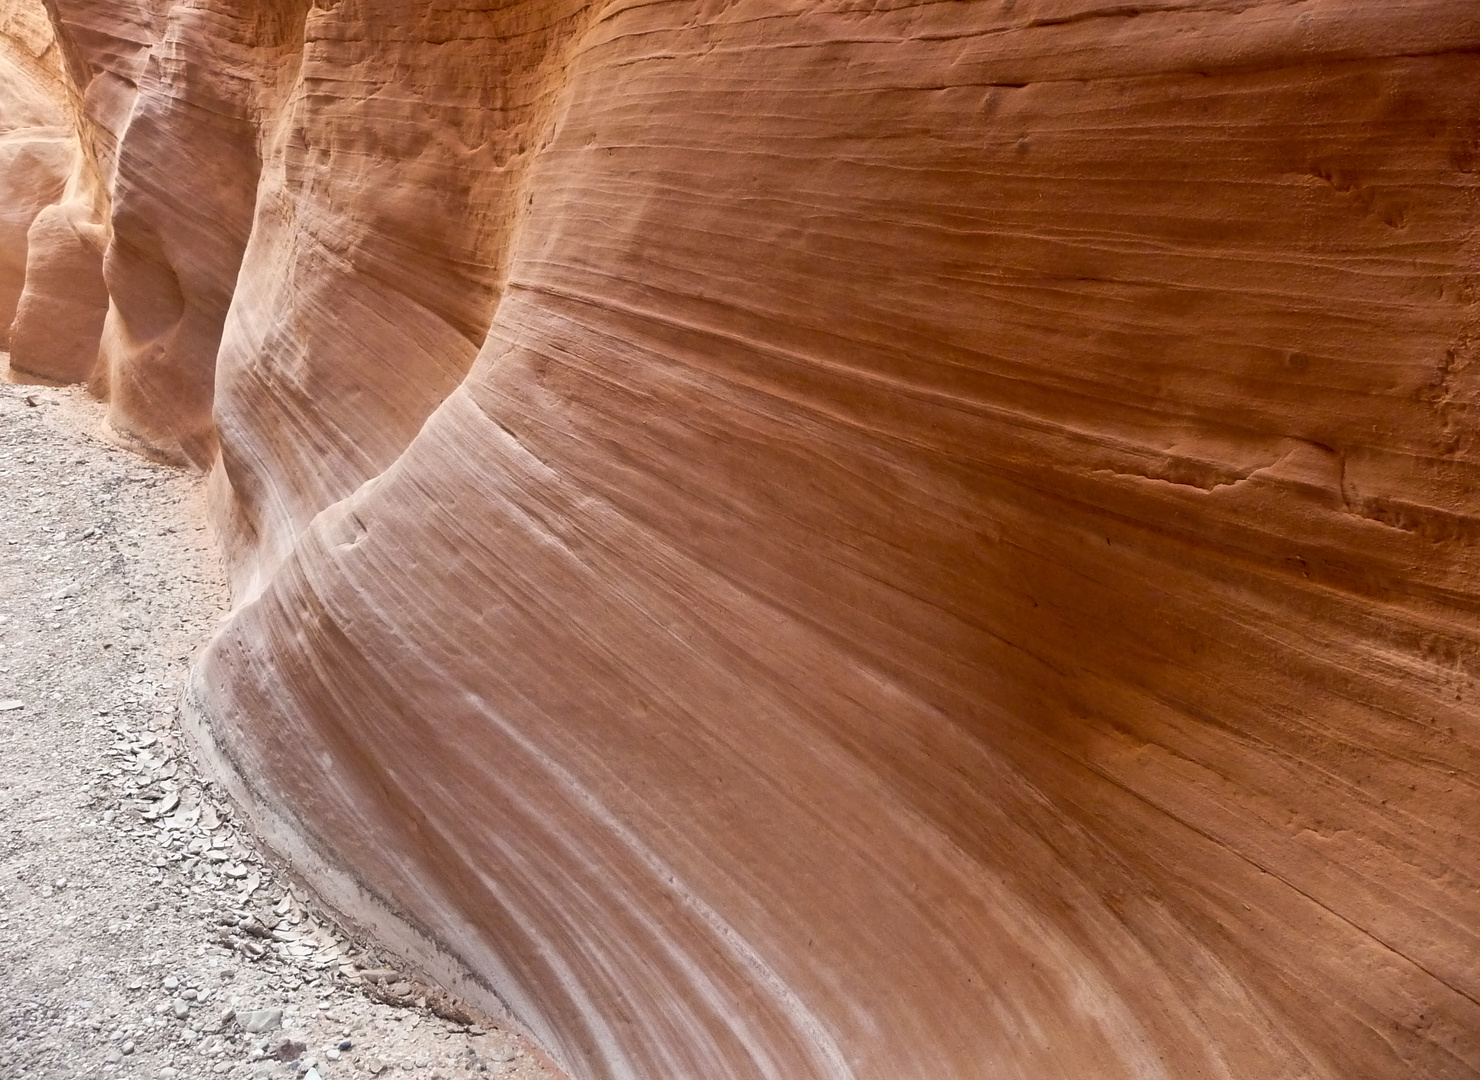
(256, 1021)
(11, 704)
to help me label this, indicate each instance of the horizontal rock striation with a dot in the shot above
(840, 540)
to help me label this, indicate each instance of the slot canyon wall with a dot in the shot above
(819, 540)
(38, 143)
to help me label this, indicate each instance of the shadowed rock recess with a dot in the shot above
(819, 540)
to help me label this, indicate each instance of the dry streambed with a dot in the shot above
(142, 934)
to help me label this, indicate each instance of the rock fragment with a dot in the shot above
(257, 1021)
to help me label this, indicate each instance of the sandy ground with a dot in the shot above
(142, 932)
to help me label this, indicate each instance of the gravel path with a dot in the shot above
(141, 932)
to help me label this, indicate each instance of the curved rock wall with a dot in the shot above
(60, 315)
(38, 149)
(392, 191)
(955, 557)
(54, 307)
(184, 193)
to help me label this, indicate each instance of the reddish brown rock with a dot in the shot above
(183, 194)
(60, 315)
(106, 46)
(392, 189)
(38, 148)
(955, 558)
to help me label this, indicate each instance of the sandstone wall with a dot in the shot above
(37, 142)
(53, 314)
(389, 200)
(839, 539)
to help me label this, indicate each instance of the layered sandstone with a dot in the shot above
(54, 191)
(839, 540)
(38, 146)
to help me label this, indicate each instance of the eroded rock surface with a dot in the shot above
(37, 141)
(955, 556)
(61, 312)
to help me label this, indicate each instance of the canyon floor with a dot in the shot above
(142, 932)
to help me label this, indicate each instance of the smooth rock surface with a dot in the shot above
(37, 141)
(840, 540)
(60, 315)
(183, 191)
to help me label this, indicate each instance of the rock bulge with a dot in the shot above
(827, 540)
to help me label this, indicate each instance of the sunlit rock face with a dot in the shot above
(54, 203)
(60, 314)
(38, 147)
(184, 190)
(840, 540)
(392, 189)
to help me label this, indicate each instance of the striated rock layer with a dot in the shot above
(956, 556)
(38, 148)
(54, 203)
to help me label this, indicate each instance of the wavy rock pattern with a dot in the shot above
(955, 556)
(37, 142)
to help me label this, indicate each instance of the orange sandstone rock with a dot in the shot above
(60, 315)
(37, 143)
(183, 193)
(843, 540)
(392, 190)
